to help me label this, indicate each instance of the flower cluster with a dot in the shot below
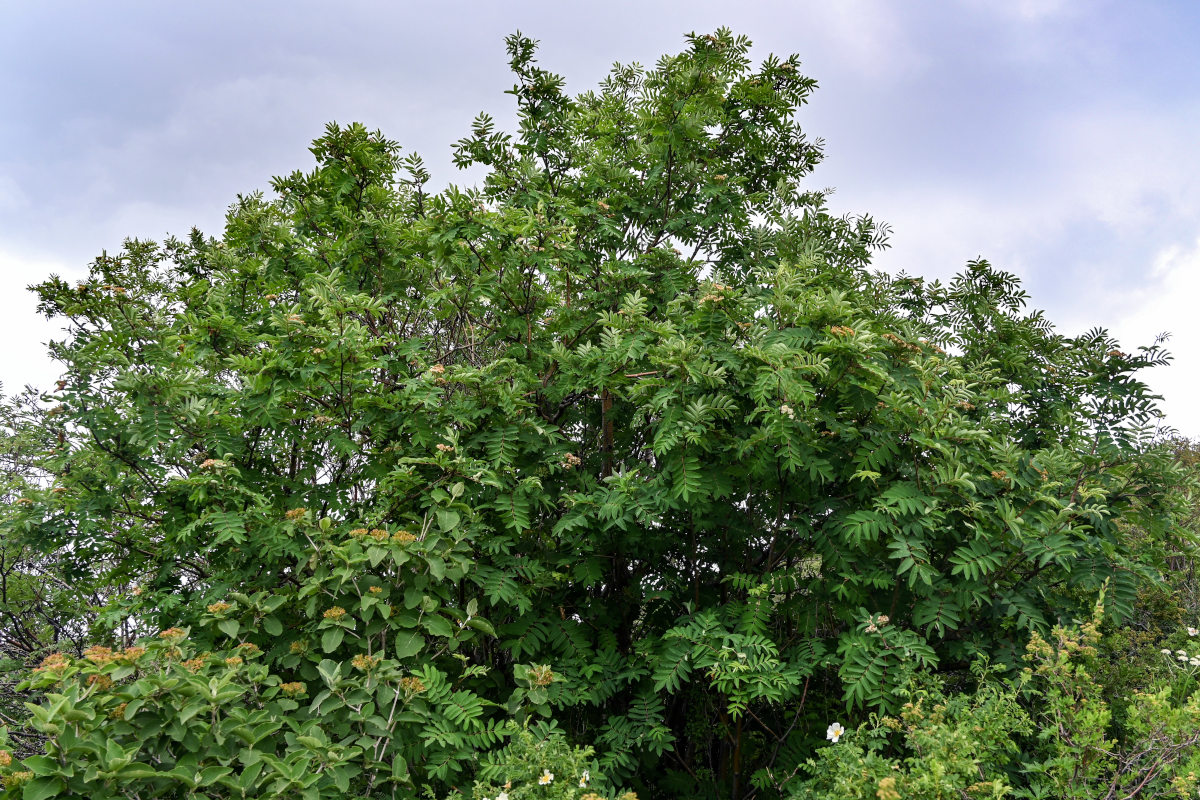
(570, 461)
(101, 682)
(172, 634)
(52, 662)
(293, 689)
(196, 664)
(403, 537)
(445, 448)
(1182, 657)
(787, 411)
(412, 685)
(717, 294)
(900, 343)
(15, 780)
(336, 612)
(541, 675)
(100, 655)
(219, 608)
(364, 662)
(295, 514)
(841, 330)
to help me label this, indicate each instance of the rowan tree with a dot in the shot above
(627, 447)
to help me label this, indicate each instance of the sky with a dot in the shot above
(1055, 138)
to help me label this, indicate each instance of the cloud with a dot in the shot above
(25, 360)
(1166, 303)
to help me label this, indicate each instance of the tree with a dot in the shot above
(627, 446)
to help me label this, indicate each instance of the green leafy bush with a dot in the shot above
(628, 440)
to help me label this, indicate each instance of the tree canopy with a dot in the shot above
(627, 447)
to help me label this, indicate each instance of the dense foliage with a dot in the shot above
(620, 472)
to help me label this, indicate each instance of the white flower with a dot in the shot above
(1192, 631)
(583, 779)
(502, 796)
(1181, 652)
(834, 732)
(546, 778)
(1195, 662)
(1165, 652)
(1182, 656)
(787, 411)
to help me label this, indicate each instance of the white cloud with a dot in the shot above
(1167, 304)
(25, 357)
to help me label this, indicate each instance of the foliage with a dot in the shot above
(629, 439)
(1045, 735)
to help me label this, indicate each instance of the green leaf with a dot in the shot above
(40, 788)
(408, 644)
(331, 639)
(229, 627)
(437, 625)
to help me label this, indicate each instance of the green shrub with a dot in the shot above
(633, 414)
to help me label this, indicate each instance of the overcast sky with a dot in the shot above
(1056, 138)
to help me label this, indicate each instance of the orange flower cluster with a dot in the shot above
(293, 689)
(173, 634)
(234, 661)
(118, 712)
(337, 612)
(98, 654)
(841, 330)
(249, 649)
(365, 662)
(101, 682)
(541, 675)
(219, 607)
(196, 664)
(379, 535)
(903, 345)
(375, 589)
(570, 461)
(446, 448)
(716, 296)
(403, 537)
(296, 513)
(412, 685)
(52, 662)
